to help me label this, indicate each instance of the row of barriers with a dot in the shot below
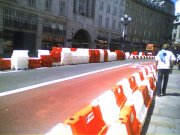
(63, 56)
(120, 110)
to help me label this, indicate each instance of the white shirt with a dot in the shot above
(164, 58)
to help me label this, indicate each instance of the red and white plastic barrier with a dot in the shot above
(120, 110)
(67, 56)
(5, 64)
(19, 59)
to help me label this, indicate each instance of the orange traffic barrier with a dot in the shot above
(118, 54)
(151, 71)
(128, 91)
(34, 63)
(146, 96)
(88, 121)
(56, 56)
(58, 49)
(105, 56)
(46, 60)
(138, 77)
(97, 56)
(128, 117)
(134, 53)
(132, 82)
(119, 95)
(144, 72)
(121, 54)
(5, 64)
(73, 49)
(152, 83)
(91, 56)
(150, 77)
(141, 75)
(118, 128)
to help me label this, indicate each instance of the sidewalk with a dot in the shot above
(164, 114)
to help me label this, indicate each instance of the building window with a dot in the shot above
(107, 22)
(31, 3)
(18, 19)
(100, 20)
(48, 5)
(62, 8)
(115, 11)
(101, 5)
(114, 24)
(119, 26)
(108, 8)
(74, 6)
(81, 7)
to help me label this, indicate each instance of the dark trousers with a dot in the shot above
(163, 76)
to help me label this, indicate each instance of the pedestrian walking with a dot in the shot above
(178, 61)
(164, 64)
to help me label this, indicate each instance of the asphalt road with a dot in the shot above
(10, 80)
(50, 95)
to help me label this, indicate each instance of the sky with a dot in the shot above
(177, 6)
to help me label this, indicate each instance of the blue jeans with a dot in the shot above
(163, 76)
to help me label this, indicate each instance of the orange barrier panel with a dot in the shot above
(151, 72)
(97, 56)
(5, 64)
(120, 55)
(105, 56)
(152, 83)
(46, 60)
(34, 63)
(119, 95)
(73, 49)
(146, 96)
(58, 49)
(128, 117)
(141, 75)
(132, 82)
(56, 56)
(88, 121)
(91, 56)
(146, 70)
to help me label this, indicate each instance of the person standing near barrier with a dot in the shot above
(164, 65)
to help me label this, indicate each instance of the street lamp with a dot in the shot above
(125, 21)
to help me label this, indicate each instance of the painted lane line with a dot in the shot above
(58, 80)
(10, 71)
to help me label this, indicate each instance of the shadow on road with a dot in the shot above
(173, 94)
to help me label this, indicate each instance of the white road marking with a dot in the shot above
(55, 81)
(11, 71)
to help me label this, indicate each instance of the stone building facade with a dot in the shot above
(176, 34)
(152, 21)
(43, 24)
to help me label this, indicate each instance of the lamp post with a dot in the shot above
(125, 21)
